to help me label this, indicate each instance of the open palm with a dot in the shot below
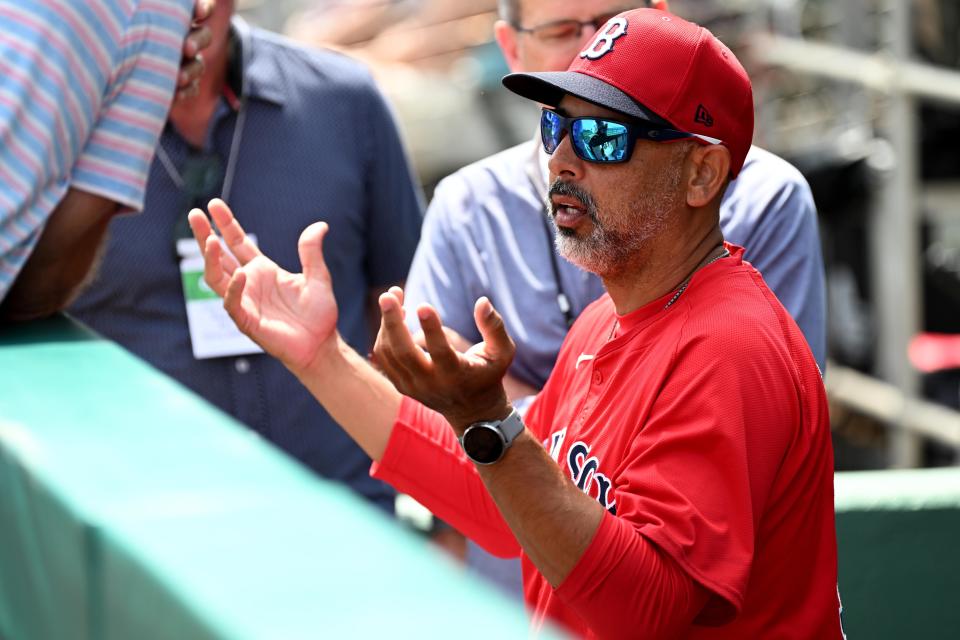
(291, 315)
(464, 387)
(288, 314)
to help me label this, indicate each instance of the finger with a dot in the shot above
(198, 39)
(190, 92)
(213, 271)
(384, 361)
(202, 230)
(200, 225)
(228, 263)
(439, 348)
(397, 292)
(233, 301)
(395, 339)
(190, 72)
(497, 343)
(237, 240)
(202, 10)
(310, 248)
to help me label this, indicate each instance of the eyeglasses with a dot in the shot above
(602, 140)
(560, 31)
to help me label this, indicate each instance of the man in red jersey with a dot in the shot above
(675, 476)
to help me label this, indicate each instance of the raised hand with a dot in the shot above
(291, 316)
(514, 387)
(198, 38)
(464, 387)
(456, 340)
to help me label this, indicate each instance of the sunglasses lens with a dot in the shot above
(598, 140)
(551, 130)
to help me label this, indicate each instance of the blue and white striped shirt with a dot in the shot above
(85, 87)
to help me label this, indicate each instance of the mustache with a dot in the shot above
(569, 189)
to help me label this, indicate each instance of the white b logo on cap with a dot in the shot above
(602, 43)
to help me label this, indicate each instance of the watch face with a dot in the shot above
(483, 444)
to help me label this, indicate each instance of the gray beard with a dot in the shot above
(603, 252)
(620, 244)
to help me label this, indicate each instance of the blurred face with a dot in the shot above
(219, 23)
(548, 40)
(607, 215)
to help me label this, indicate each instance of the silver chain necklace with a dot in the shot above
(679, 292)
(685, 283)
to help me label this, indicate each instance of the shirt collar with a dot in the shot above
(543, 159)
(263, 76)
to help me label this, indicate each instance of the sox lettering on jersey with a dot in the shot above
(584, 469)
(553, 444)
(602, 43)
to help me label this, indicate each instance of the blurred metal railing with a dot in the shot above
(886, 403)
(895, 264)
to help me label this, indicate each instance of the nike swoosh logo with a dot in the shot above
(583, 358)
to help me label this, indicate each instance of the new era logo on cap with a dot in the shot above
(703, 116)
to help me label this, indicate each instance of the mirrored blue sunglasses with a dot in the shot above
(602, 140)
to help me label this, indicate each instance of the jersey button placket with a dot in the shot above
(593, 392)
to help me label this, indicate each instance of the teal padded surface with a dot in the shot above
(129, 508)
(898, 536)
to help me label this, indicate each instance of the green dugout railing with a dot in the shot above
(898, 537)
(129, 508)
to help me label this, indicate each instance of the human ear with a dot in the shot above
(506, 37)
(709, 169)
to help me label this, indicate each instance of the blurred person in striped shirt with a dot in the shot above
(275, 126)
(85, 87)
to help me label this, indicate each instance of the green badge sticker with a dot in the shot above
(195, 288)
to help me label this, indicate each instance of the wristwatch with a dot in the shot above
(487, 442)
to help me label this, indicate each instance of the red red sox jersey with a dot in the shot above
(702, 428)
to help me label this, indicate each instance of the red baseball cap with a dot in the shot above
(654, 66)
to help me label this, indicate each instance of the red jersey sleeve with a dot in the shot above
(424, 460)
(655, 598)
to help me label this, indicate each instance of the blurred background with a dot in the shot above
(862, 95)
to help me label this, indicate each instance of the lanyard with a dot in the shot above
(201, 173)
(177, 178)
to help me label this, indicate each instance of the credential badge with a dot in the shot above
(602, 43)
